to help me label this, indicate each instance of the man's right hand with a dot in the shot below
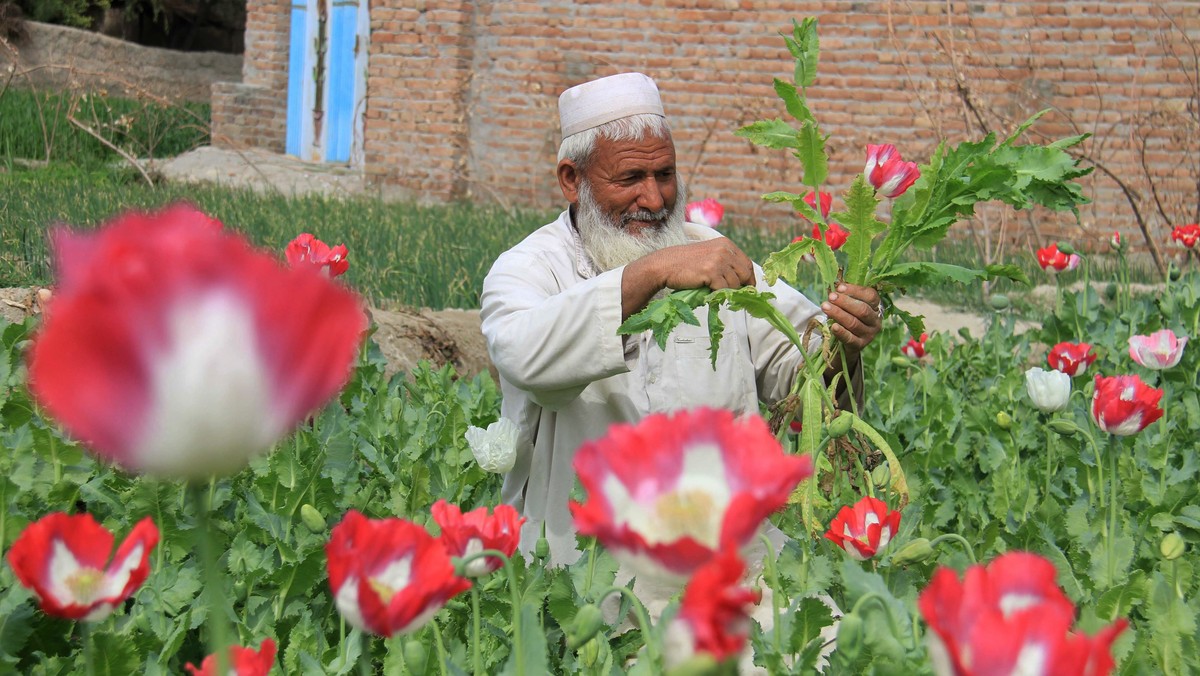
(716, 263)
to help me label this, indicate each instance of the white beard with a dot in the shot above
(610, 246)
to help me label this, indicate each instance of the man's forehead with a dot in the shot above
(649, 151)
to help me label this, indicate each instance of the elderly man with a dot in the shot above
(552, 305)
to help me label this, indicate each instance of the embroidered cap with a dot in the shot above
(594, 103)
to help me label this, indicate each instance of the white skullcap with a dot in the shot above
(594, 103)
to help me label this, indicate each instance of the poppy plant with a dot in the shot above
(706, 212)
(864, 529)
(915, 347)
(887, 172)
(1159, 350)
(388, 576)
(64, 560)
(714, 614)
(310, 251)
(1053, 260)
(174, 348)
(1187, 235)
(475, 531)
(1124, 405)
(1010, 617)
(665, 495)
(1071, 358)
(242, 661)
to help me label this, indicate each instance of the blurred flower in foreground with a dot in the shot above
(915, 347)
(1071, 358)
(714, 615)
(1187, 235)
(1053, 260)
(495, 449)
(864, 529)
(1049, 390)
(1159, 350)
(388, 576)
(1010, 617)
(475, 531)
(63, 559)
(665, 495)
(887, 172)
(308, 250)
(1124, 405)
(174, 348)
(242, 661)
(706, 212)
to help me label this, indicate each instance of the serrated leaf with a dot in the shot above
(926, 272)
(770, 134)
(716, 328)
(1118, 601)
(810, 150)
(859, 219)
(757, 304)
(15, 625)
(809, 617)
(805, 47)
(661, 316)
(112, 655)
(793, 101)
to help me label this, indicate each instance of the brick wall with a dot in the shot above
(253, 113)
(463, 95)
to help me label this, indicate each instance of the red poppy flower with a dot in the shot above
(887, 172)
(174, 348)
(242, 661)
(310, 251)
(1009, 617)
(1053, 260)
(1124, 405)
(667, 494)
(865, 528)
(706, 212)
(388, 576)
(1115, 241)
(915, 347)
(475, 531)
(835, 235)
(1071, 358)
(1187, 235)
(826, 203)
(64, 560)
(714, 615)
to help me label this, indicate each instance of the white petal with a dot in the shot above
(63, 566)
(346, 601)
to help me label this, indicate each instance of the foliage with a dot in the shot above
(77, 13)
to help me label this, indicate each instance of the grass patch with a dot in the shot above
(34, 126)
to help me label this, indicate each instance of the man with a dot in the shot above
(552, 305)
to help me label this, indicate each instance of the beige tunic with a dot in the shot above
(565, 375)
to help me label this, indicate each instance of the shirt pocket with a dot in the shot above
(688, 379)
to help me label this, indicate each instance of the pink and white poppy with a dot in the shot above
(475, 531)
(1052, 260)
(1187, 235)
(1010, 617)
(1159, 350)
(714, 614)
(1114, 242)
(64, 560)
(242, 661)
(887, 172)
(915, 347)
(388, 576)
(1071, 358)
(706, 212)
(1124, 405)
(174, 348)
(308, 250)
(665, 495)
(864, 529)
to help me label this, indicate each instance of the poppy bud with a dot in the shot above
(312, 519)
(587, 624)
(416, 656)
(1064, 427)
(916, 551)
(1066, 248)
(999, 301)
(1172, 546)
(881, 475)
(589, 653)
(542, 548)
(850, 637)
(1003, 420)
(840, 426)
(1110, 291)
(1173, 272)
(902, 362)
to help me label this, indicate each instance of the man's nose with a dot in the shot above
(650, 195)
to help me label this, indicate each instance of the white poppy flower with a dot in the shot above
(1049, 390)
(495, 448)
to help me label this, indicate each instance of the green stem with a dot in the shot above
(1049, 460)
(874, 596)
(515, 594)
(776, 590)
(960, 540)
(209, 555)
(476, 656)
(1114, 449)
(441, 648)
(643, 621)
(365, 668)
(54, 459)
(89, 655)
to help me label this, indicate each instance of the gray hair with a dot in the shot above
(579, 147)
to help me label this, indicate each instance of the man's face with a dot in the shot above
(634, 182)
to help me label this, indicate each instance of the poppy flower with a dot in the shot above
(1187, 235)
(1114, 242)
(714, 614)
(1049, 390)
(475, 531)
(1010, 617)
(706, 212)
(1053, 260)
(826, 203)
(64, 560)
(1071, 358)
(915, 347)
(1124, 405)
(242, 661)
(388, 576)
(864, 529)
(1159, 350)
(174, 348)
(494, 448)
(665, 495)
(310, 251)
(887, 172)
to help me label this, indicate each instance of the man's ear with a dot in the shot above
(569, 177)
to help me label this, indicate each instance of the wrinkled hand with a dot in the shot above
(854, 316)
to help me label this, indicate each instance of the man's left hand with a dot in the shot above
(855, 316)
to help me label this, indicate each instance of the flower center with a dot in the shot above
(687, 512)
(85, 584)
(391, 579)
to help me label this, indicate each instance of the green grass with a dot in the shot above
(34, 126)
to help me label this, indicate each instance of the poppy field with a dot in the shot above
(205, 468)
